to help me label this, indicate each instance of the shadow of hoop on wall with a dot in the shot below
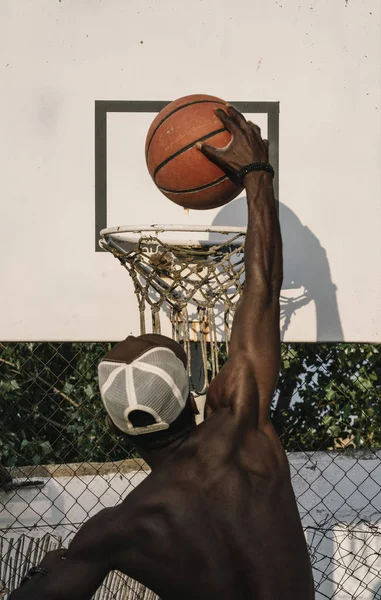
(377, 591)
(307, 275)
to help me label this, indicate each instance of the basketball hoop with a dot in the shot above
(195, 282)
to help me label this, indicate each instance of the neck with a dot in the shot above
(155, 457)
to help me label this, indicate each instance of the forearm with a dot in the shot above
(77, 581)
(75, 573)
(255, 328)
(24, 593)
(28, 590)
(263, 246)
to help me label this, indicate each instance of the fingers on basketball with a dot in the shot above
(257, 131)
(255, 128)
(226, 120)
(236, 116)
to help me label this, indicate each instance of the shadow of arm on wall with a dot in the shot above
(307, 275)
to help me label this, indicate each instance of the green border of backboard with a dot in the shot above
(103, 107)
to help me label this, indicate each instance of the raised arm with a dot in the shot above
(248, 379)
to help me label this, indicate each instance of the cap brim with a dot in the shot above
(148, 429)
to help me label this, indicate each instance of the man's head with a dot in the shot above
(145, 389)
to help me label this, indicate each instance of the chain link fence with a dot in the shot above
(60, 466)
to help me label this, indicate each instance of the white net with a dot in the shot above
(196, 284)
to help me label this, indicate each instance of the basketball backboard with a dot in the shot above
(81, 87)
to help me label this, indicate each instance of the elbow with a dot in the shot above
(276, 282)
(266, 285)
(276, 287)
(269, 292)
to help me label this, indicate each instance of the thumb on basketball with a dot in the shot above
(209, 151)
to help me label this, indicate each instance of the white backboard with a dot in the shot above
(80, 79)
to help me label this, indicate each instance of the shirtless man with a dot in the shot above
(217, 517)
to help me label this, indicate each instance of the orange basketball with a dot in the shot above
(178, 168)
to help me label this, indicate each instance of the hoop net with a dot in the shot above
(195, 283)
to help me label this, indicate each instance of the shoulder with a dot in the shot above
(261, 453)
(235, 388)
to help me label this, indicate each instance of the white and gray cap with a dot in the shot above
(155, 382)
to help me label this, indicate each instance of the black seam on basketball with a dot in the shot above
(194, 190)
(179, 152)
(176, 110)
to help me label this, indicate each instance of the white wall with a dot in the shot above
(339, 498)
(320, 60)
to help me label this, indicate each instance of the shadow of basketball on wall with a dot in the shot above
(307, 276)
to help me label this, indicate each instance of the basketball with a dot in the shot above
(180, 171)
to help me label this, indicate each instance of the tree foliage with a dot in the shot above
(50, 410)
(329, 396)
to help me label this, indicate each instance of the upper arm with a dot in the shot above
(256, 335)
(248, 379)
(88, 561)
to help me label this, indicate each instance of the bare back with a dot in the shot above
(214, 522)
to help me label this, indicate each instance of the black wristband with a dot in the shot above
(259, 166)
(32, 572)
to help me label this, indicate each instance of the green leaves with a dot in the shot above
(330, 394)
(51, 411)
(67, 388)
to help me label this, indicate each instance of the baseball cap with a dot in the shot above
(155, 382)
